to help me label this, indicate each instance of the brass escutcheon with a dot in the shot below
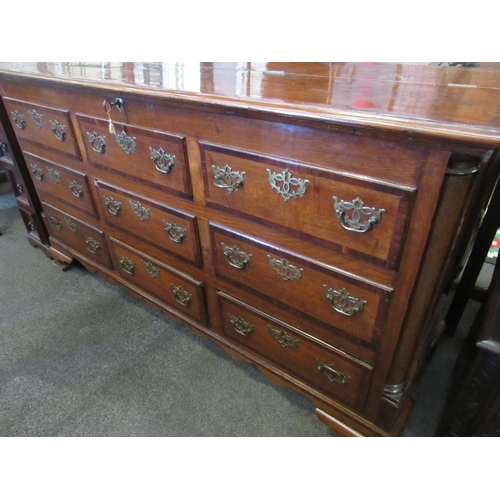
(343, 302)
(181, 295)
(363, 218)
(283, 338)
(58, 129)
(240, 325)
(236, 257)
(287, 185)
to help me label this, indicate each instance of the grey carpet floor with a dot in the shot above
(80, 357)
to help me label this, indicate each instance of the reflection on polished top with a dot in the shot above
(446, 101)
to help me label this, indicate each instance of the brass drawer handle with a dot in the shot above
(58, 129)
(126, 142)
(332, 373)
(291, 187)
(37, 118)
(98, 142)
(31, 226)
(54, 174)
(153, 271)
(139, 210)
(363, 218)
(92, 245)
(240, 325)
(18, 119)
(236, 257)
(175, 232)
(20, 188)
(56, 222)
(344, 303)
(225, 178)
(164, 162)
(284, 269)
(37, 171)
(181, 295)
(76, 189)
(127, 265)
(114, 207)
(71, 225)
(283, 338)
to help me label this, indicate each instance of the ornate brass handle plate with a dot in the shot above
(226, 178)
(126, 142)
(92, 245)
(181, 295)
(344, 303)
(363, 218)
(175, 232)
(240, 325)
(37, 118)
(153, 271)
(287, 186)
(54, 174)
(18, 119)
(98, 142)
(56, 223)
(114, 207)
(139, 210)
(71, 225)
(164, 162)
(127, 265)
(58, 129)
(283, 338)
(284, 269)
(76, 189)
(332, 373)
(37, 172)
(236, 257)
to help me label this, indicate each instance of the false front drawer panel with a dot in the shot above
(47, 127)
(153, 158)
(321, 295)
(164, 227)
(167, 284)
(330, 370)
(344, 214)
(67, 185)
(78, 236)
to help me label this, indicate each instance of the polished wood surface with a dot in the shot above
(316, 200)
(415, 98)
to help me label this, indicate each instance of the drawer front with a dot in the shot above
(80, 237)
(172, 287)
(47, 127)
(20, 187)
(5, 151)
(332, 371)
(153, 158)
(364, 218)
(339, 303)
(67, 185)
(166, 228)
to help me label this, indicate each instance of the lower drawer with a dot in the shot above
(331, 371)
(172, 287)
(84, 239)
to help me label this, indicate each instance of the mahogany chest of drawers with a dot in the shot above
(302, 227)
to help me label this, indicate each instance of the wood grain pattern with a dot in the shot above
(383, 133)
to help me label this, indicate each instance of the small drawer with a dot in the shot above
(83, 239)
(49, 128)
(339, 303)
(19, 186)
(172, 287)
(345, 214)
(332, 371)
(67, 185)
(166, 228)
(155, 159)
(5, 151)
